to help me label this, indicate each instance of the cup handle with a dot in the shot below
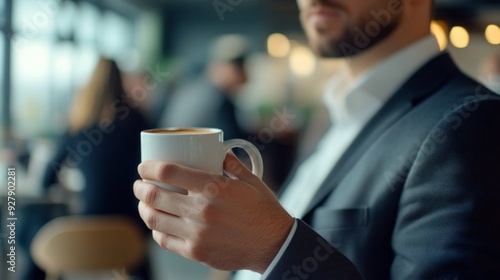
(253, 152)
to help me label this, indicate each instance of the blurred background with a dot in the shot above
(168, 52)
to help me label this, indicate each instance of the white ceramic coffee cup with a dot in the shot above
(199, 148)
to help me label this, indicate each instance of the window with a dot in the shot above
(55, 47)
(2, 58)
(116, 35)
(2, 61)
(2, 11)
(31, 87)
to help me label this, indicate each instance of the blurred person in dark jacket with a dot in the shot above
(209, 100)
(103, 141)
(491, 72)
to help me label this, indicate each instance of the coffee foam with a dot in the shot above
(185, 131)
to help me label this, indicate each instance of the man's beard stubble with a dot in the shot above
(349, 45)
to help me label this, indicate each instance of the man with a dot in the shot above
(208, 100)
(404, 185)
(491, 72)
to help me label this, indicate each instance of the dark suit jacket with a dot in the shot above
(108, 160)
(416, 195)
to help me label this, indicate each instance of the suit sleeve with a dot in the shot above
(309, 256)
(448, 223)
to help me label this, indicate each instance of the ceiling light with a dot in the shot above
(492, 34)
(439, 32)
(302, 61)
(459, 37)
(278, 45)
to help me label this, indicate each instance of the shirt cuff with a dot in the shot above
(280, 252)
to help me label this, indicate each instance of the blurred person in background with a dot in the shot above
(491, 72)
(404, 184)
(103, 141)
(209, 100)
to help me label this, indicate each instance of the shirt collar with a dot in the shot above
(370, 91)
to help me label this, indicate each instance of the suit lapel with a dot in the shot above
(421, 85)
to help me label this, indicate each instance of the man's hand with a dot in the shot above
(227, 223)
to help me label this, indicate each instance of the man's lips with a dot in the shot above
(323, 12)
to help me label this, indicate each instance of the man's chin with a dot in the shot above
(330, 53)
(330, 49)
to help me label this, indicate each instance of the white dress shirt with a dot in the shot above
(351, 103)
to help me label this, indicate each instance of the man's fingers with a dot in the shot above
(176, 175)
(161, 199)
(197, 181)
(163, 222)
(169, 242)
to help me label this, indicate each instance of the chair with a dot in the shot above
(88, 244)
